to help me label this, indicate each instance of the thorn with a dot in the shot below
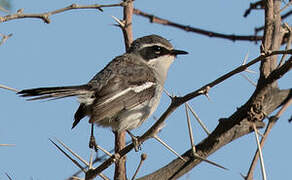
(190, 130)
(75, 178)
(210, 162)
(199, 120)
(143, 158)
(159, 128)
(20, 11)
(168, 94)
(260, 134)
(249, 80)
(168, 147)
(72, 152)
(260, 153)
(91, 159)
(245, 58)
(103, 150)
(205, 92)
(208, 97)
(73, 160)
(243, 176)
(250, 71)
(120, 23)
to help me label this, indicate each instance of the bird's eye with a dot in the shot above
(157, 49)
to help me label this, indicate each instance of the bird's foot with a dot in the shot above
(92, 143)
(135, 141)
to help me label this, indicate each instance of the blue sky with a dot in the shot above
(78, 44)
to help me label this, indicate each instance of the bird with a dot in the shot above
(123, 94)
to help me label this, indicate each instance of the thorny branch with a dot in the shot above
(252, 6)
(46, 16)
(271, 123)
(269, 70)
(176, 102)
(232, 37)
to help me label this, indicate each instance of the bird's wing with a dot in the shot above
(130, 84)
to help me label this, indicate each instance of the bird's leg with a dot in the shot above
(135, 141)
(92, 142)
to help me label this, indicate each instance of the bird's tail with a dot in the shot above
(55, 92)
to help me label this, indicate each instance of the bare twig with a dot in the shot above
(46, 16)
(232, 37)
(143, 158)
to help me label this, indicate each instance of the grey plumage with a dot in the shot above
(126, 91)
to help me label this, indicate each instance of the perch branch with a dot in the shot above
(272, 121)
(177, 101)
(120, 137)
(232, 37)
(46, 16)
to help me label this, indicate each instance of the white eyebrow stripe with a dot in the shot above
(153, 44)
(136, 89)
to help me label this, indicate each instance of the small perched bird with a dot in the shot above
(126, 92)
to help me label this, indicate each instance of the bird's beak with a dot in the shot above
(177, 52)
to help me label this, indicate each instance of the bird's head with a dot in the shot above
(156, 51)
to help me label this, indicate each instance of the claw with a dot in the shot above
(135, 140)
(92, 142)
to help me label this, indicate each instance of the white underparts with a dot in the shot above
(161, 66)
